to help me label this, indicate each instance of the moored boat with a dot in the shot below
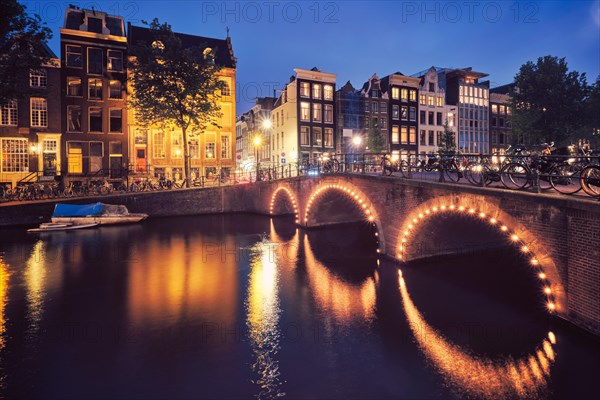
(53, 227)
(98, 213)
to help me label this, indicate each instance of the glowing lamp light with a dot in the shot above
(534, 261)
(435, 209)
(524, 249)
(493, 221)
(410, 226)
(504, 228)
(514, 238)
(552, 337)
(356, 140)
(461, 208)
(542, 275)
(452, 207)
(482, 215)
(471, 211)
(551, 306)
(267, 124)
(415, 220)
(547, 290)
(443, 207)
(371, 218)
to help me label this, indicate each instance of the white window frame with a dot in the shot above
(109, 58)
(19, 149)
(39, 115)
(38, 79)
(9, 113)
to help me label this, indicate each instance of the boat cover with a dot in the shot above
(77, 210)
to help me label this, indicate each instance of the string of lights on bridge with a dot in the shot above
(514, 238)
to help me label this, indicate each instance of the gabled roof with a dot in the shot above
(221, 47)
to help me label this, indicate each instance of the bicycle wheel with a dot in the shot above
(590, 180)
(564, 178)
(452, 172)
(335, 165)
(474, 173)
(514, 176)
(386, 167)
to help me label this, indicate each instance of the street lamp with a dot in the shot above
(256, 141)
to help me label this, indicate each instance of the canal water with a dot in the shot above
(245, 306)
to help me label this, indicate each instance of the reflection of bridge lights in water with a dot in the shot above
(343, 300)
(479, 376)
(263, 313)
(551, 303)
(35, 276)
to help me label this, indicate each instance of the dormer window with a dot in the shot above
(94, 25)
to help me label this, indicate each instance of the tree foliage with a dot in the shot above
(447, 142)
(549, 102)
(375, 140)
(173, 85)
(22, 42)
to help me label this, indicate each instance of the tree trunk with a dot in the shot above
(186, 158)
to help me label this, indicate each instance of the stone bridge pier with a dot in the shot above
(559, 235)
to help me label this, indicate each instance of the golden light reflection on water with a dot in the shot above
(343, 300)
(3, 298)
(479, 376)
(180, 277)
(35, 277)
(263, 312)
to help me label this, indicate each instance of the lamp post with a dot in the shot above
(256, 141)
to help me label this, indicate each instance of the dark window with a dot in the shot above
(430, 117)
(116, 147)
(395, 112)
(493, 121)
(439, 119)
(115, 60)
(96, 149)
(422, 118)
(94, 25)
(73, 56)
(413, 114)
(431, 87)
(115, 90)
(95, 119)
(501, 122)
(431, 138)
(422, 138)
(94, 60)
(74, 118)
(116, 120)
(374, 107)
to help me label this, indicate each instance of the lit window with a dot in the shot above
(74, 86)
(317, 112)
(95, 119)
(194, 148)
(395, 112)
(328, 139)
(38, 79)
(395, 93)
(440, 101)
(404, 94)
(304, 111)
(305, 136)
(404, 114)
(304, 89)
(404, 134)
(116, 120)
(74, 118)
(74, 56)
(9, 113)
(413, 95)
(95, 89)
(159, 144)
(395, 134)
(115, 90)
(328, 92)
(494, 109)
(422, 100)
(226, 91)
(225, 147)
(176, 145)
(94, 61)
(15, 155)
(39, 112)
(316, 91)
(430, 100)
(413, 135)
(317, 136)
(328, 113)
(115, 60)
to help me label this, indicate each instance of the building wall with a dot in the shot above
(405, 142)
(25, 148)
(500, 122)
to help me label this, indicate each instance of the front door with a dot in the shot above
(140, 159)
(49, 164)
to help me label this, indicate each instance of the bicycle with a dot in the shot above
(589, 180)
(331, 164)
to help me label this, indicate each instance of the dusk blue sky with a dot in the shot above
(355, 39)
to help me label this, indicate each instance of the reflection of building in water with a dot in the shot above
(35, 281)
(478, 376)
(3, 298)
(263, 318)
(341, 299)
(180, 277)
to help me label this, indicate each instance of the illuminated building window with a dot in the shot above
(422, 99)
(395, 93)
(38, 79)
(413, 95)
(304, 89)
(15, 155)
(9, 113)
(328, 138)
(317, 112)
(413, 135)
(404, 94)
(305, 136)
(404, 134)
(317, 136)
(74, 118)
(39, 112)
(176, 145)
(225, 147)
(95, 89)
(115, 60)
(404, 113)
(159, 144)
(316, 91)
(395, 134)
(210, 147)
(328, 92)
(304, 111)
(74, 86)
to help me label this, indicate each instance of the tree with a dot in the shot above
(375, 139)
(447, 143)
(548, 102)
(173, 85)
(22, 48)
(591, 130)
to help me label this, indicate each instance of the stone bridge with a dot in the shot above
(559, 235)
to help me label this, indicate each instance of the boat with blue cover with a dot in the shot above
(95, 213)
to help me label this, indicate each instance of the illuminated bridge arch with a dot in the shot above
(362, 202)
(290, 195)
(515, 232)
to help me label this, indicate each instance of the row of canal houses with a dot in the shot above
(313, 116)
(75, 121)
